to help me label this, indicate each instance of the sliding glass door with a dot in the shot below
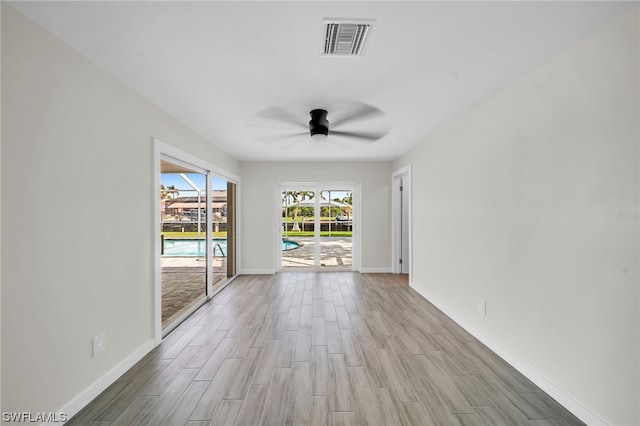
(197, 237)
(336, 228)
(183, 210)
(223, 225)
(317, 226)
(298, 227)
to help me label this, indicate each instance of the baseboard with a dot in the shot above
(265, 271)
(80, 401)
(273, 271)
(562, 397)
(375, 270)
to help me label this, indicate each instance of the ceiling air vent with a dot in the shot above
(345, 38)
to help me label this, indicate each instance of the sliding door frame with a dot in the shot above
(207, 232)
(162, 150)
(317, 187)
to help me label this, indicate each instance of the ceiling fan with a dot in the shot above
(360, 122)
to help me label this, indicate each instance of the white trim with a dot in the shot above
(376, 270)
(404, 173)
(192, 168)
(395, 217)
(315, 269)
(258, 271)
(208, 232)
(160, 150)
(238, 230)
(356, 236)
(353, 187)
(183, 156)
(562, 397)
(85, 397)
(277, 230)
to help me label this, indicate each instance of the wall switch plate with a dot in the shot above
(99, 344)
(482, 306)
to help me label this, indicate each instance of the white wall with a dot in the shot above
(530, 201)
(259, 180)
(77, 212)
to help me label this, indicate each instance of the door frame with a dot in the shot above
(353, 187)
(164, 150)
(207, 230)
(396, 218)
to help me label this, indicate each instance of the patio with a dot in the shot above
(183, 282)
(335, 252)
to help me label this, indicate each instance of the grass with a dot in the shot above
(348, 234)
(194, 234)
(308, 219)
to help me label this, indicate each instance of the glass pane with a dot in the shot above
(223, 228)
(298, 247)
(336, 228)
(183, 229)
(231, 229)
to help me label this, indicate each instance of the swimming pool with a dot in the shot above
(196, 247)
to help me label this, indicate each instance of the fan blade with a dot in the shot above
(365, 111)
(280, 138)
(280, 114)
(365, 136)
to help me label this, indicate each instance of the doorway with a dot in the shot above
(183, 221)
(316, 226)
(223, 231)
(195, 235)
(402, 221)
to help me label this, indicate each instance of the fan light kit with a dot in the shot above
(319, 125)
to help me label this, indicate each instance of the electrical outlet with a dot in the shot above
(482, 306)
(99, 344)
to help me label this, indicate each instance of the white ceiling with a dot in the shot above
(223, 67)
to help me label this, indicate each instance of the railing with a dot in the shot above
(220, 248)
(325, 225)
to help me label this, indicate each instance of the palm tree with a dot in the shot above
(306, 194)
(348, 200)
(169, 192)
(295, 198)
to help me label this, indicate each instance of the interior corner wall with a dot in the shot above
(77, 214)
(259, 180)
(530, 202)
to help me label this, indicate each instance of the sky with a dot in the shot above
(185, 190)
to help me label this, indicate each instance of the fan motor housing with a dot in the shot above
(319, 125)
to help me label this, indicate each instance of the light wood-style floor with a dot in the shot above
(330, 348)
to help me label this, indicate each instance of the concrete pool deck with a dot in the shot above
(183, 282)
(335, 252)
